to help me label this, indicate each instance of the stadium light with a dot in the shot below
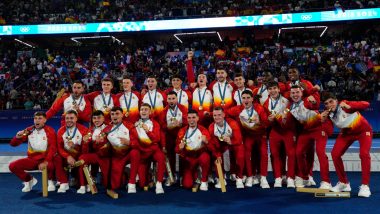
(24, 43)
(308, 27)
(196, 33)
(75, 39)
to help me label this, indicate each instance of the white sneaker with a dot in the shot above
(81, 190)
(249, 182)
(290, 183)
(159, 189)
(51, 186)
(233, 177)
(29, 185)
(63, 188)
(88, 189)
(132, 188)
(341, 187)
(264, 183)
(256, 180)
(364, 191)
(325, 185)
(239, 183)
(217, 185)
(210, 179)
(204, 186)
(168, 183)
(299, 182)
(309, 182)
(244, 178)
(278, 182)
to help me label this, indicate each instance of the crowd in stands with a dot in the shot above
(71, 11)
(348, 67)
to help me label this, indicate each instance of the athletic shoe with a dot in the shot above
(29, 185)
(341, 187)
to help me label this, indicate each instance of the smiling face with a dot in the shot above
(274, 92)
(98, 120)
(293, 74)
(192, 119)
(176, 83)
(218, 116)
(70, 120)
(107, 86)
(296, 94)
(239, 82)
(116, 116)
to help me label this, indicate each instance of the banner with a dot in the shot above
(178, 24)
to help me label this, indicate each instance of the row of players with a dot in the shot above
(290, 110)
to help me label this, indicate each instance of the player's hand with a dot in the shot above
(271, 117)
(42, 165)
(204, 139)
(311, 99)
(218, 160)
(124, 141)
(344, 105)
(70, 160)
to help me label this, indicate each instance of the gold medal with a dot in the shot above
(250, 120)
(286, 110)
(126, 114)
(173, 119)
(69, 138)
(273, 112)
(105, 107)
(223, 104)
(26, 132)
(200, 108)
(221, 138)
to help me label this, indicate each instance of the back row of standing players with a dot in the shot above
(135, 128)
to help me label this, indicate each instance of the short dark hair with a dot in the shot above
(247, 92)
(97, 113)
(116, 108)
(176, 76)
(192, 111)
(272, 84)
(40, 113)
(172, 93)
(218, 108)
(107, 79)
(296, 86)
(78, 82)
(146, 105)
(328, 95)
(239, 75)
(72, 112)
(127, 77)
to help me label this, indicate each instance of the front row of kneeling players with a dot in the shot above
(112, 147)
